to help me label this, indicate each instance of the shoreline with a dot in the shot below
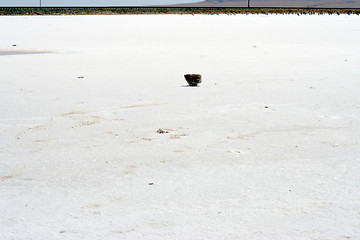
(13, 11)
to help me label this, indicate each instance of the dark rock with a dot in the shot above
(193, 79)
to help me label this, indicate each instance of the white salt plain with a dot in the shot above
(268, 147)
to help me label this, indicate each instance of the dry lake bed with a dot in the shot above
(101, 138)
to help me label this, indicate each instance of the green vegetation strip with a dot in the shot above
(161, 10)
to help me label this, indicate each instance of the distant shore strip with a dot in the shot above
(168, 10)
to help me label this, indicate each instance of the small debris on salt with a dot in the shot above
(160, 131)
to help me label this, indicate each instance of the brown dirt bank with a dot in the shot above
(276, 3)
(168, 10)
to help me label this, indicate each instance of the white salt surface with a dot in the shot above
(268, 147)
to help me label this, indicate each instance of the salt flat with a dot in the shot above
(268, 147)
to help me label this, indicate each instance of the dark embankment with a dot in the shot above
(167, 10)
